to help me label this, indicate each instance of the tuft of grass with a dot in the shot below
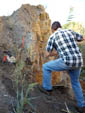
(23, 99)
(22, 91)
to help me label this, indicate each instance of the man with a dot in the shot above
(70, 59)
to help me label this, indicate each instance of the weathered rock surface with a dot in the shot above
(30, 22)
(33, 24)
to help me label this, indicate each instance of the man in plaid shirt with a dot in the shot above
(70, 59)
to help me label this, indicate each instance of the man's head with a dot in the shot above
(55, 26)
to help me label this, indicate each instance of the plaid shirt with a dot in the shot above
(64, 42)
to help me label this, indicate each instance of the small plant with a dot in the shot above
(22, 90)
(23, 99)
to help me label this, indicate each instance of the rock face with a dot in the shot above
(29, 22)
(29, 26)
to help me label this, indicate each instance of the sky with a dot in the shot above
(58, 10)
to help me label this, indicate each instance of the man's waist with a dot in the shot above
(76, 61)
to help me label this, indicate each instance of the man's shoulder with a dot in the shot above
(52, 35)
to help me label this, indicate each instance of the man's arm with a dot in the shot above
(82, 39)
(50, 47)
(78, 37)
(80, 42)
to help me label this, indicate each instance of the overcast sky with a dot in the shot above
(57, 9)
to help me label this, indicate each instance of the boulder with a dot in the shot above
(28, 28)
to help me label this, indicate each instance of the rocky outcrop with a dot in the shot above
(24, 34)
(29, 22)
(29, 26)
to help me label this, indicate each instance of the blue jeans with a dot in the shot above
(59, 65)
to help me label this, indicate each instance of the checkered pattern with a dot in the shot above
(64, 41)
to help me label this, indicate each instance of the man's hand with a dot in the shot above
(47, 54)
(53, 53)
(83, 38)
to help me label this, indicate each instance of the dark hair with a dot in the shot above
(56, 25)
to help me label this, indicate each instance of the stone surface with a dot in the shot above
(30, 24)
(33, 24)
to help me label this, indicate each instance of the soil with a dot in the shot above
(40, 102)
(55, 103)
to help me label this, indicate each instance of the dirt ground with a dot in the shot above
(41, 103)
(56, 103)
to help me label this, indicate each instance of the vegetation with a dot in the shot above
(76, 27)
(22, 89)
(70, 16)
